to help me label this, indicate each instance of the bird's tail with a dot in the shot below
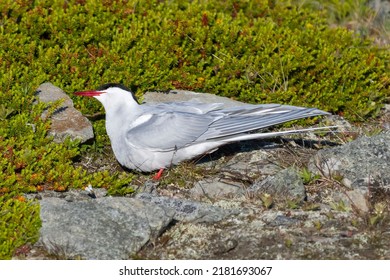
(264, 135)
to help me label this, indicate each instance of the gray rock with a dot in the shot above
(189, 211)
(249, 158)
(66, 120)
(282, 220)
(359, 199)
(102, 228)
(264, 235)
(348, 200)
(363, 163)
(342, 124)
(149, 186)
(217, 188)
(184, 95)
(286, 183)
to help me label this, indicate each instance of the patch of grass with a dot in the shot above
(318, 224)
(379, 213)
(288, 243)
(307, 176)
(19, 224)
(266, 200)
(293, 203)
(184, 175)
(366, 20)
(340, 206)
(311, 206)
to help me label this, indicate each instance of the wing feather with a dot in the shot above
(169, 131)
(172, 126)
(238, 122)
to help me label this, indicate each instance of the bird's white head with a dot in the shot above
(112, 96)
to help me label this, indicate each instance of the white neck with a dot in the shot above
(121, 109)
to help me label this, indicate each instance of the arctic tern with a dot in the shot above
(147, 137)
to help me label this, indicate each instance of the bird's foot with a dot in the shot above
(158, 175)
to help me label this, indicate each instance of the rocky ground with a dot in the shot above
(312, 196)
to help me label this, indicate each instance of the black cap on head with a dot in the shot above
(109, 85)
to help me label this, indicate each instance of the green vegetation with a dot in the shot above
(19, 224)
(369, 21)
(307, 176)
(253, 51)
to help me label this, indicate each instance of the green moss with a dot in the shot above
(19, 224)
(245, 50)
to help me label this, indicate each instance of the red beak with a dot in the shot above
(89, 93)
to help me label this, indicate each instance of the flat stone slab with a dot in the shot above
(102, 228)
(187, 210)
(360, 164)
(217, 188)
(286, 183)
(185, 95)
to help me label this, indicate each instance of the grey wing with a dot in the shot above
(249, 118)
(168, 131)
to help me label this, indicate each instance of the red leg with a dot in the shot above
(158, 175)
